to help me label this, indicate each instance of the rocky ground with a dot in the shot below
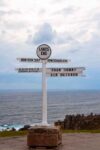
(80, 122)
(71, 141)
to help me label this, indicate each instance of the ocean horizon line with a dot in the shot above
(48, 90)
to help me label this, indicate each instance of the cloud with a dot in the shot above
(57, 1)
(67, 10)
(10, 51)
(9, 12)
(15, 25)
(2, 3)
(44, 35)
(47, 35)
(41, 12)
(96, 18)
(9, 24)
(63, 38)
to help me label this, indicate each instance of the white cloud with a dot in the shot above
(2, 3)
(9, 12)
(44, 35)
(69, 26)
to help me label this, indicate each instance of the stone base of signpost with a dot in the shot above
(44, 136)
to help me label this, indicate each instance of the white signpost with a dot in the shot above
(44, 52)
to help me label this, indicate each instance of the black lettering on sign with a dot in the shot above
(43, 53)
(44, 49)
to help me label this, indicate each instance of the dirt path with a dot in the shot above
(76, 141)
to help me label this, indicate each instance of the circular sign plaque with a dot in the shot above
(43, 51)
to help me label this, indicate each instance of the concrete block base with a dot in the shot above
(44, 136)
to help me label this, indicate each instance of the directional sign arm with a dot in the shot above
(29, 60)
(58, 60)
(29, 70)
(54, 72)
(36, 60)
(64, 75)
(65, 72)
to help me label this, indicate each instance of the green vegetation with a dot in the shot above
(22, 133)
(12, 133)
(81, 131)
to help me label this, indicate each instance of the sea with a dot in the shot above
(19, 108)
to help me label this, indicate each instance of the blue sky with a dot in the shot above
(70, 27)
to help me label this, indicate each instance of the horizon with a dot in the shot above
(49, 90)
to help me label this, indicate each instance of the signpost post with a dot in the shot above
(52, 134)
(44, 52)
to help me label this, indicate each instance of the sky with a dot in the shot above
(70, 27)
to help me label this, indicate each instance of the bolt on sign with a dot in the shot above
(44, 52)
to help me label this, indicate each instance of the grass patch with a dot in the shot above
(12, 133)
(22, 133)
(81, 131)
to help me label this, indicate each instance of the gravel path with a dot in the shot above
(75, 141)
